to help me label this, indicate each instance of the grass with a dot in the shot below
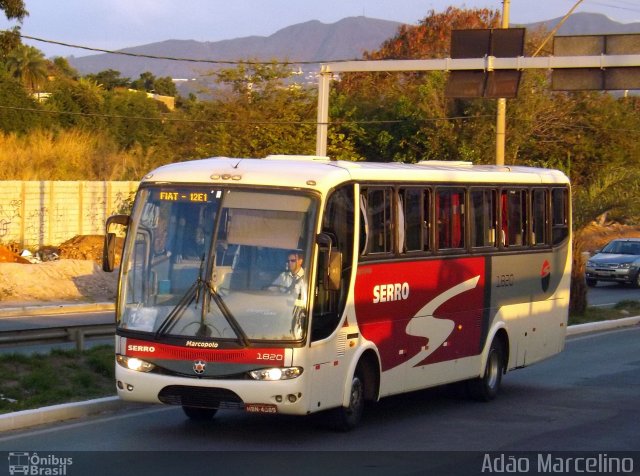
(63, 376)
(593, 314)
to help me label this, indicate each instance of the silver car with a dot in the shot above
(618, 261)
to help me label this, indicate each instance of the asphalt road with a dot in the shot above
(585, 399)
(608, 294)
(55, 320)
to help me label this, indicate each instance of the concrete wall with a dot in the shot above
(39, 213)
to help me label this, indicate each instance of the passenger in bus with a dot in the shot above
(197, 246)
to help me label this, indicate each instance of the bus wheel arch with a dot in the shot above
(486, 386)
(370, 365)
(362, 386)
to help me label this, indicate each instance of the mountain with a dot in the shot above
(309, 41)
(584, 23)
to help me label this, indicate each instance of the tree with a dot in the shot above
(10, 39)
(29, 65)
(19, 112)
(404, 116)
(61, 67)
(165, 86)
(262, 112)
(148, 82)
(135, 120)
(79, 103)
(110, 79)
(145, 82)
(13, 9)
(431, 38)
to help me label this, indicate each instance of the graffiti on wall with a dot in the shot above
(61, 219)
(9, 214)
(35, 225)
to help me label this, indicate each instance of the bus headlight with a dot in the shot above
(276, 373)
(133, 363)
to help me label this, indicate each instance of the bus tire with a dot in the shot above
(198, 413)
(486, 388)
(347, 418)
(591, 282)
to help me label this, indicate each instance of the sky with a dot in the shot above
(116, 24)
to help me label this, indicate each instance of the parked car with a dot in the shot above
(618, 261)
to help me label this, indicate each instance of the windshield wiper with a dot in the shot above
(175, 313)
(226, 313)
(192, 294)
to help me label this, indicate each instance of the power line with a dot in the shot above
(166, 118)
(171, 58)
(339, 122)
(619, 7)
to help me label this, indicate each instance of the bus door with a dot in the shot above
(329, 355)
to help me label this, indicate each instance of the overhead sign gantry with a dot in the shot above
(629, 61)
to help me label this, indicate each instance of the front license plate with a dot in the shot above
(260, 408)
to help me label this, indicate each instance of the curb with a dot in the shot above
(602, 325)
(59, 308)
(67, 411)
(64, 411)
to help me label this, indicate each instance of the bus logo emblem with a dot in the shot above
(545, 275)
(199, 366)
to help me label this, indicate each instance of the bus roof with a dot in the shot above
(321, 173)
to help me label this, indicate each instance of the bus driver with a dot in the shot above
(293, 278)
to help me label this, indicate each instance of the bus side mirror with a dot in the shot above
(331, 260)
(334, 273)
(109, 247)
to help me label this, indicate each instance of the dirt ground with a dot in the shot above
(76, 276)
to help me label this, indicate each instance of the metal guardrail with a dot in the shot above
(54, 335)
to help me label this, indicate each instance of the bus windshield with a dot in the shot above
(217, 264)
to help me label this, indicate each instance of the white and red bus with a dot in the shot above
(415, 275)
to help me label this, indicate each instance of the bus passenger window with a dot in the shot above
(560, 209)
(514, 217)
(539, 217)
(483, 218)
(450, 214)
(379, 221)
(415, 219)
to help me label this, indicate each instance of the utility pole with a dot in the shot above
(501, 115)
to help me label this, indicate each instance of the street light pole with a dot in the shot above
(501, 115)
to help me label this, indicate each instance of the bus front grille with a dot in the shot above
(200, 397)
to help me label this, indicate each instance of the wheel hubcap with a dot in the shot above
(356, 395)
(492, 370)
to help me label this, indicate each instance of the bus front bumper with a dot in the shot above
(284, 396)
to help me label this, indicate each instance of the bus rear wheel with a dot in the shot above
(347, 418)
(198, 413)
(486, 388)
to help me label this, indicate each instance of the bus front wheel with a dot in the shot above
(199, 414)
(347, 418)
(486, 388)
